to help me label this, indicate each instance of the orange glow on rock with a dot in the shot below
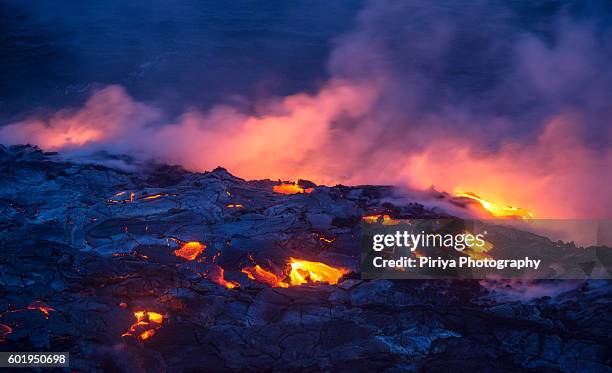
(156, 196)
(217, 275)
(122, 197)
(147, 323)
(41, 307)
(190, 250)
(380, 218)
(256, 273)
(235, 206)
(326, 240)
(303, 272)
(146, 334)
(4, 331)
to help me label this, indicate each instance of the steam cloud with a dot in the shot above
(463, 98)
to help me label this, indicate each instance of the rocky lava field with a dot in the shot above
(160, 269)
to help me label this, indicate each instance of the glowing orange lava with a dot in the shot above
(326, 240)
(126, 197)
(384, 219)
(259, 274)
(477, 251)
(217, 275)
(147, 323)
(156, 196)
(4, 331)
(41, 307)
(303, 271)
(235, 206)
(290, 188)
(498, 210)
(190, 250)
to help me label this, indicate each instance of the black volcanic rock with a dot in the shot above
(83, 247)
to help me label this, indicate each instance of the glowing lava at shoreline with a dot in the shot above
(498, 210)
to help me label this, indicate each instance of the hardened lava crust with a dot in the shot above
(161, 269)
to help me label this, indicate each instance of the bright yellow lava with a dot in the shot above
(498, 210)
(147, 323)
(291, 188)
(303, 271)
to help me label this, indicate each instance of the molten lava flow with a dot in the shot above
(303, 271)
(41, 307)
(498, 210)
(122, 197)
(259, 274)
(477, 251)
(326, 240)
(190, 250)
(147, 323)
(384, 219)
(217, 275)
(4, 331)
(235, 206)
(290, 188)
(156, 196)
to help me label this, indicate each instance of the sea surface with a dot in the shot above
(176, 54)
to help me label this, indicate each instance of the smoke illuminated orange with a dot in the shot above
(303, 271)
(190, 250)
(299, 138)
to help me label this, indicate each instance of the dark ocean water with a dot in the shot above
(179, 54)
(185, 53)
